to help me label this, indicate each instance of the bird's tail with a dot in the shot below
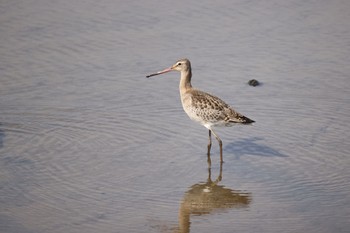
(242, 120)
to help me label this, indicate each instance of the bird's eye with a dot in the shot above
(179, 64)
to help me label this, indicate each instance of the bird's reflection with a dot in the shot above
(209, 197)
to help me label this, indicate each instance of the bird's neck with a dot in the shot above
(185, 82)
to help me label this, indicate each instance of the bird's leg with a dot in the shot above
(220, 175)
(209, 143)
(209, 146)
(209, 172)
(209, 161)
(220, 144)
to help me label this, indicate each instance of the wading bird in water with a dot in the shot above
(204, 108)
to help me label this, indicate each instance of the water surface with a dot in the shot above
(88, 144)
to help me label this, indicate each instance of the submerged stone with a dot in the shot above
(253, 82)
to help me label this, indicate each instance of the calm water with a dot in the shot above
(88, 144)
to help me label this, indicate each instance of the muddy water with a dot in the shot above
(88, 144)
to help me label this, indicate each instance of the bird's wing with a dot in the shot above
(211, 107)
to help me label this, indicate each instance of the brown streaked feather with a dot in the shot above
(212, 109)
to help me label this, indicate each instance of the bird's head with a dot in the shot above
(180, 65)
(183, 64)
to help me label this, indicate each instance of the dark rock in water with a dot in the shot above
(253, 82)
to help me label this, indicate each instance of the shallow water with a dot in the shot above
(88, 144)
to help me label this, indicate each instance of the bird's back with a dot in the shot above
(210, 110)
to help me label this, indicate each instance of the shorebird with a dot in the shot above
(204, 108)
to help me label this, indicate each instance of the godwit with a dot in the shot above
(204, 108)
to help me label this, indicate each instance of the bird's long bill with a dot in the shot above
(160, 72)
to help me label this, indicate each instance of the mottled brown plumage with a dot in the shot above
(202, 107)
(209, 109)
